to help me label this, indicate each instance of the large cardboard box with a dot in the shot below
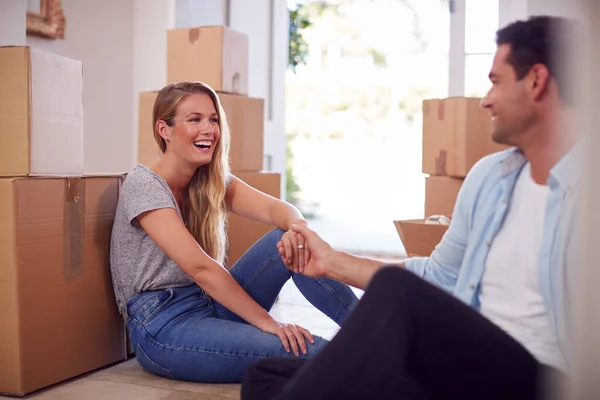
(244, 232)
(216, 55)
(58, 312)
(245, 117)
(456, 134)
(440, 195)
(419, 239)
(41, 113)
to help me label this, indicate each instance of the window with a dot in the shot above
(472, 36)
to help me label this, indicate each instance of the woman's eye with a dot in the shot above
(195, 120)
(214, 120)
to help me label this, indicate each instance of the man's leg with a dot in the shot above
(406, 335)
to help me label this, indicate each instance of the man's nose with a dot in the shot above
(485, 102)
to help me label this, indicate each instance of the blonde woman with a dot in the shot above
(188, 317)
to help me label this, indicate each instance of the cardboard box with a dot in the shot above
(216, 55)
(245, 117)
(457, 132)
(244, 232)
(41, 113)
(148, 150)
(419, 239)
(440, 195)
(57, 306)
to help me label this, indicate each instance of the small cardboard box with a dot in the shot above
(440, 195)
(41, 113)
(457, 132)
(245, 118)
(419, 239)
(244, 232)
(216, 55)
(58, 312)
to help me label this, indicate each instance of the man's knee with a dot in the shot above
(393, 275)
(266, 378)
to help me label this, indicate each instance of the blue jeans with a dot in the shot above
(181, 333)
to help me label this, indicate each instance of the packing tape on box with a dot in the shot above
(73, 230)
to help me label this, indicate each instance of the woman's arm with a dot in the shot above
(168, 231)
(246, 201)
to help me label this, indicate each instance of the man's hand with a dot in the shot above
(293, 251)
(317, 252)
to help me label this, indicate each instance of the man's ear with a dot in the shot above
(163, 130)
(539, 79)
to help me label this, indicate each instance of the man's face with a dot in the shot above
(508, 101)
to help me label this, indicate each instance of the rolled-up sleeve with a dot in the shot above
(442, 268)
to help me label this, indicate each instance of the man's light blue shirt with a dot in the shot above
(458, 262)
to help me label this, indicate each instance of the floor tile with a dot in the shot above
(91, 389)
(130, 371)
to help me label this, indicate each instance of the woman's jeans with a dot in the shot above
(181, 333)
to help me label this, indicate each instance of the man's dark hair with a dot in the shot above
(543, 40)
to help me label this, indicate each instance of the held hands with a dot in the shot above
(293, 250)
(312, 257)
(292, 336)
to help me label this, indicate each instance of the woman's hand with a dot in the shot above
(292, 336)
(294, 252)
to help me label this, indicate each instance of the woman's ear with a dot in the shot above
(163, 130)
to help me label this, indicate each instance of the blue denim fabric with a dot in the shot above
(181, 333)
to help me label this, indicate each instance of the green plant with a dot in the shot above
(298, 47)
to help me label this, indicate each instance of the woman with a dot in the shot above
(188, 317)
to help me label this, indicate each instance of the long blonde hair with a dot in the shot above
(203, 204)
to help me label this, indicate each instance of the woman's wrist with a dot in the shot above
(299, 221)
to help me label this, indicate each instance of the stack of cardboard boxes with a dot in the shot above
(218, 56)
(456, 134)
(58, 315)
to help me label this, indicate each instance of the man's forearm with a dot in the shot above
(354, 271)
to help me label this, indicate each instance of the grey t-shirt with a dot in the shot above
(137, 264)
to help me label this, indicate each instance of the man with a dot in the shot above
(506, 258)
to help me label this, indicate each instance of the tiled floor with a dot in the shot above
(128, 381)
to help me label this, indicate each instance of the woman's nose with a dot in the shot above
(206, 127)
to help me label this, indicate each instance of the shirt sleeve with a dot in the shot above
(144, 192)
(442, 268)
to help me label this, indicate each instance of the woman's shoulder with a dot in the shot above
(142, 178)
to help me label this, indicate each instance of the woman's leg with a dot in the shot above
(176, 334)
(405, 336)
(262, 273)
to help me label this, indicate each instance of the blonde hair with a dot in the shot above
(203, 204)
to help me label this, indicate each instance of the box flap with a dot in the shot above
(14, 111)
(418, 237)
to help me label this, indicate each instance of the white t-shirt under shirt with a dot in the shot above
(510, 293)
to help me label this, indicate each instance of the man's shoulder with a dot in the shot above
(492, 163)
(488, 172)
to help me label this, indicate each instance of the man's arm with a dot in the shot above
(326, 262)
(356, 271)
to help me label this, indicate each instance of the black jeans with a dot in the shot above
(406, 339)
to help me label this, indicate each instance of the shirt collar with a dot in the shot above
(514, 160)
(567, 172)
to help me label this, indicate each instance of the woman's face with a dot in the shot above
(195, 131)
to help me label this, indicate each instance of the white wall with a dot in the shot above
(100, 33)
(12, 22)
(151, 19)
(265, 23)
